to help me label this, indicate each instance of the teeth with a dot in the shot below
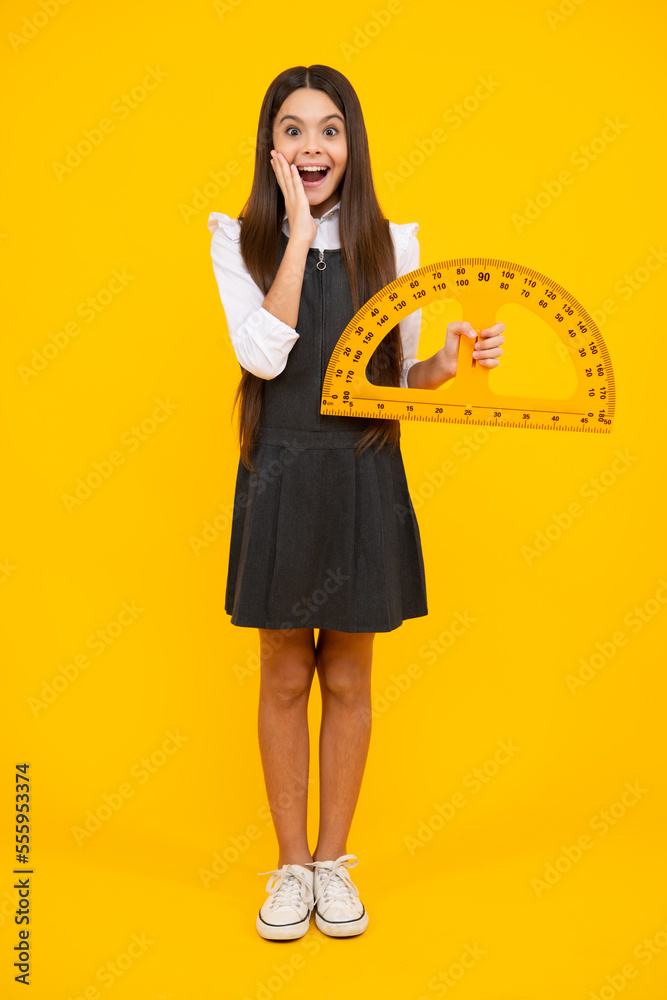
(312, 168)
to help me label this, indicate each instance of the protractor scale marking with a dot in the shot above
(482, 285)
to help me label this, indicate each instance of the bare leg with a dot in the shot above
(344, 671)
(287, 665)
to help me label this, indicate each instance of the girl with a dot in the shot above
(320, 537)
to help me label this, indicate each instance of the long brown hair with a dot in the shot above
(365, 238)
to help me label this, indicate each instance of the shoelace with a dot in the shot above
(288, 885)
(337, 885)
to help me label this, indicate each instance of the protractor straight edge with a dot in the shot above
(482, 285)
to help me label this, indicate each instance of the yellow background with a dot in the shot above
(171, 669)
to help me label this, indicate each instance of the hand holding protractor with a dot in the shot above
(482, 285)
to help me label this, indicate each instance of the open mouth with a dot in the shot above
(313, 176)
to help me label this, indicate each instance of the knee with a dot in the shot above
(345, 680)
(287, 681)
(287, 662)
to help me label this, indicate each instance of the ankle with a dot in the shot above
(328, 854)
(294, 858)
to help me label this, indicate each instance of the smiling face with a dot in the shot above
(309, 130)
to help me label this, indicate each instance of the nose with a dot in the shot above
(311, 146)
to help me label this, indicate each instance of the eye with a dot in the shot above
(293, 128)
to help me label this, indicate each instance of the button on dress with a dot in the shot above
(321, 538)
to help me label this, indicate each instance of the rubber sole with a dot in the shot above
(347, 929)
(282, 932)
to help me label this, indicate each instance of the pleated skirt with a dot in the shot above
(321, 538)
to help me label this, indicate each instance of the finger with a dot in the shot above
(292, 178)
(462, 328)
(494, 352)
(283, 174)
(278, 173)
(299, 189)
(290, 171)
(494, 333)
(284, 170)
(490, 342)
(455, 331)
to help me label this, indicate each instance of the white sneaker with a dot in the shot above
(338, 910)
(286, 913)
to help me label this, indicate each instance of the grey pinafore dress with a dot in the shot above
(321, 538)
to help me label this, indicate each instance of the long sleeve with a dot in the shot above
(410, 326)
(261, 341)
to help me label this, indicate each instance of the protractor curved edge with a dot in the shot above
(492, 282)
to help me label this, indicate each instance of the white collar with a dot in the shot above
(331, 211)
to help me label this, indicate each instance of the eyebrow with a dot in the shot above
(299, 120)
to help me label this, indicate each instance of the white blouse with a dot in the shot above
(261, 341)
